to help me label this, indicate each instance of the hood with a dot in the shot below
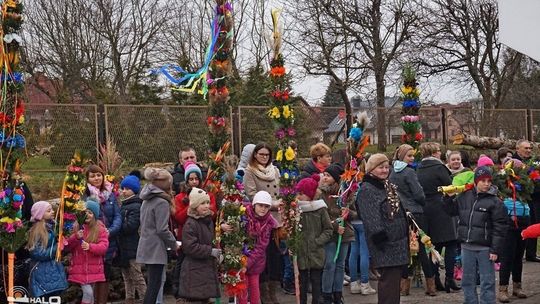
(308, 206)
(431, 162)
(132, 200)
(268, 218)
(150, 191)
(245, 156)
(179, 168)
(399, 166)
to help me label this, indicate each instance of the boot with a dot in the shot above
(265, 296)
(517, 291)
(328, 298)
(272, 287)
(101, 292)
(450, 284)
(503, 294)
(438, 284)
(129, 301)
(338, 297)
(430, 287)
(405, 287)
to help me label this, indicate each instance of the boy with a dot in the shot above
(482, 228)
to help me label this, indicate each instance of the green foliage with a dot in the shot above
(510, 178)
(332, 96)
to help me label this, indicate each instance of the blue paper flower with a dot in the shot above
(518, 187)
(356, 134)
(17, 197)
(410, 103)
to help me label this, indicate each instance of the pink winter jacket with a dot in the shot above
(87, 266)
(260, 229)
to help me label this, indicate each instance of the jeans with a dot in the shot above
(253, 292)
(470, 259)
(333, 273)
(288, 272)
(449, 258)
(511, 258)
(359, 251)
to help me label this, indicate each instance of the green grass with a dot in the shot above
(43, 178)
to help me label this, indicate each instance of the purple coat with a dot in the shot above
(260, 229)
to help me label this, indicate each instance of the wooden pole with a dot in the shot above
(11, 275)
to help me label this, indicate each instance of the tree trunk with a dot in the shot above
(484, 142)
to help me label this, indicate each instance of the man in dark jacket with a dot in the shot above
(185, 154)
(482, 229)
(524, 154)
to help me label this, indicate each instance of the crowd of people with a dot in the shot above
(368, 237)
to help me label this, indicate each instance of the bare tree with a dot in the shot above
(323, 47)
(461, 38)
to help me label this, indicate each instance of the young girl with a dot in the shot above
(193, 178)
(88, 247)
(260, 225)
(334, 271)
(101, 190)
(316, 232)
(129, 238)
(198, 276)
(47, 277)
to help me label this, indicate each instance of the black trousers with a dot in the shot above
(388, 285)
(154, 273)
(535, 218)
(449, 258)
(176, 273)
(512, 257)
(312, 276)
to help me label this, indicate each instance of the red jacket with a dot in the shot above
(181, 207)
(87, 265)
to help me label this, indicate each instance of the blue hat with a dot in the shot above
(191, 167)
(93, 206)
(482, 172)
(131, 182)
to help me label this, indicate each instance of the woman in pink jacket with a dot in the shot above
(260, 225)
(88, 247)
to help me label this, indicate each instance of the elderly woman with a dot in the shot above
(385, 225)
(321, 158)
(440, 226)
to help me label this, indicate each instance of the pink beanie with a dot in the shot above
(38, 210)
(484, 161)
(308, 185)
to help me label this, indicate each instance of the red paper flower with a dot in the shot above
(418, 137)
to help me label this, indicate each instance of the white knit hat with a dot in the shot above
(263, 198)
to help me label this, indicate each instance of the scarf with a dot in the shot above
(391, 205)
(103, 196)
(319, 167)
(267, 173)
(194, 214)
(456, 171)
(258, 225)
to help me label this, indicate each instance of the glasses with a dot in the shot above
(264, 154)
(527, 148)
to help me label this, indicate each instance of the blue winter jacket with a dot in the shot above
(46, 276)
(110, 216)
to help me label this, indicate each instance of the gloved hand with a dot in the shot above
(216, 253)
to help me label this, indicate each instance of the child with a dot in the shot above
(260, 225)
(193, 179)
(101, 190)
(482, 229)
(88, 247)
(198, 276)
(316, 232)
(334, 272)
(129, 238)
(47, 277)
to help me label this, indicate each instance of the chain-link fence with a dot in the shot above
(155, 133)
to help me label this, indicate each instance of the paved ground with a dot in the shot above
(531, 285)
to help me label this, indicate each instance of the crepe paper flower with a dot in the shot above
(279, 155)
(355, 134)
(407, 90)
(286, 175)
(410, 104)
(274, 113)
(518, 187)
(10, 228)
(410, 118)
(16, 205)
(418, 137)
(280, 134)
(277, 71)
(287, 112)
(290, 154)
(291, 131)
(534, 175)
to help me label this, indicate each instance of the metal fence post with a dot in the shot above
(530, 128)
(237, 149)
(100, 121)
(444, 127)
